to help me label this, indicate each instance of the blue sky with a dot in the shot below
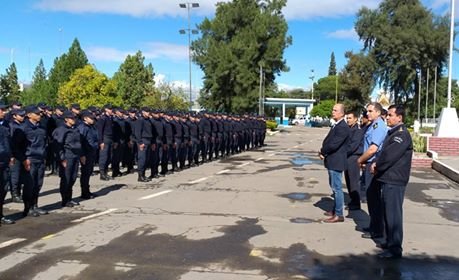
(108, 30)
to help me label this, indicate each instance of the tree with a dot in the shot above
(39, 88)
(323, 109)
(357, 80)
(9, 86)
(134, 80)
(63, 68)
(87, 86)
(167, 97)
(325, 88)
(403, 38)
(332, 67)
(244, 36)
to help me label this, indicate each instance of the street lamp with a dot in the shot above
(312, 79)
(190, 31)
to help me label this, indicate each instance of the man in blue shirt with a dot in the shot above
(372, 143)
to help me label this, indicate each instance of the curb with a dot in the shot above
(446, 170)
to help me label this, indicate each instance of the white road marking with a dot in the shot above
(244, 164)
(223, 171)
(11, 242)
(271, 155)
(295, 147)
(155, 195)
(95, 215)
(198, 180)
(258, 159)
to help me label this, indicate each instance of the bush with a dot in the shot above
(419, 143)
(271, 125)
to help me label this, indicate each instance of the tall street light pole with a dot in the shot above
(190, 31)
(312, 79)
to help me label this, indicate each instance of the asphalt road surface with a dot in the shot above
(256, 215)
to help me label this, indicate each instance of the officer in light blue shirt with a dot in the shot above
(372, 143)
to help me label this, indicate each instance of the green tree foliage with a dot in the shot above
(332, 67)
(87, 86)
(403, 37)
(63, 68)
(325, 88)
(357, 80)
(9, 86)
(39, 88)
(167, 97)
(134, 80)
(323, 109)
(243, 35)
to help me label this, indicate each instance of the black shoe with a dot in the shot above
(370, 235)
(382, 246)
(40, 211)
(67, 204)
(31, 212)
(74, 203)
(116, 174)
(16, 199)
(104, 177)
(6, 221)
(388, 255)
(143, 179)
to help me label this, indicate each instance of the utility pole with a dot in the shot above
(435, 94)
(419, 97)
(427, 93)
(312, 79)
(260, 97)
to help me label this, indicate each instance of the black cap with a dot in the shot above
(3, 106)
(32, 110)
(41, 105)
(132, 110)
(145, 109)
(108, 106)
(20, 112)
(75, 106)
(16, 103)
(68, 115)
(87, 114)
(60, 108)
(92, 109)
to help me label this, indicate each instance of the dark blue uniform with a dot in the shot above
(393, 166)
(90, 145)
(158, 154)
(17, 170)
(68, 140)
(352, 174)
(144, 136)
(105, 134)
(5, 155)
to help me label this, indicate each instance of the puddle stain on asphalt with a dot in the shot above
(164, 256)
(294, 197)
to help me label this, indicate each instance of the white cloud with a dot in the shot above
(344, 34)
(295, 9)
(287, 87)
(152, 50)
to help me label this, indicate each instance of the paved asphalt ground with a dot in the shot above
(253, 216)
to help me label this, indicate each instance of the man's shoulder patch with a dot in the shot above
(398, 139)
(375, 126)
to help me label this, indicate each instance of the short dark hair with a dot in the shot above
(377, 106)
(399, 110)
(354, 113)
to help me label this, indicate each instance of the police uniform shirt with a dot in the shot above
(375, 134)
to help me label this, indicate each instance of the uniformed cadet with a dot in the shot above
(129, 154)
(18, 147)
(177, 146)
(193, 152)
(106, 136)
(168, 144)
(354, 151)
(70, 151)
(119, 141)
(158, 148)
(76, 110)
(34, 164)
(5, 160)
(373, 140)
(144, 136)
(205, 132)
(90, 145)
(392, 168)
(213, 136)
(186, 142)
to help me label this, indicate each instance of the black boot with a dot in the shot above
(104, 176)
(16, 197)
(40, 211)
(142, 179)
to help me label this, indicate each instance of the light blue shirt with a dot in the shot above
(375, 134)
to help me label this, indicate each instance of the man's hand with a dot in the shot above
(115, 146)
(373, 168)
(26, 164)
(142, 147)
(102, 146)
(153, 147)
(83, 160)
(12, 161)
(64, 163)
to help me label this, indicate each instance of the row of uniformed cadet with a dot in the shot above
(71, 141)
